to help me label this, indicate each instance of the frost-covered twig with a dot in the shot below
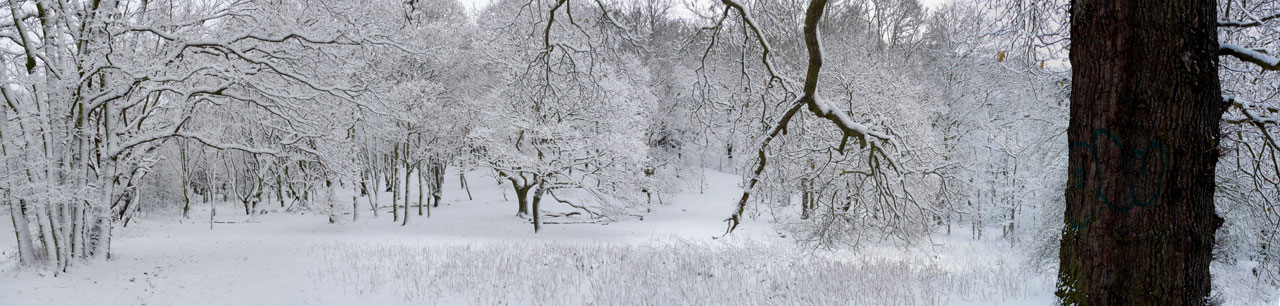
(1252, 22)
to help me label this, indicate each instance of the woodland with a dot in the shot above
(828, 143)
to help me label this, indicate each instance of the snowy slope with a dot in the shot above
(475, 252)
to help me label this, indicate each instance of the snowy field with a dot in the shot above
(475, 252)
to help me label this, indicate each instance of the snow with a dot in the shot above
(1250, 55)
(475, 252)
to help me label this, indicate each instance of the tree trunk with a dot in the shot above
(420, 191)
(522, 195)
(333, 202)
(59, 221)
(1145, 106)
(437, 183)
(537, 214)
(395, 196)
(82, 231)
(373, 197)
(462, 178)
(186, 180)
(804, 198)
(73, 221)
(26, 252)
(186, 201)
(407, 172)
(46, 236)
(104, 224)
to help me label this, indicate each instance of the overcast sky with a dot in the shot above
(476, 4)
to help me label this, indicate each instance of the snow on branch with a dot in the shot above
(1267, 62)
(176, 132)
(1251, 111)
(817, 106)
(766, 55)
(1260, 121)
(1251, 22)
(225, 146)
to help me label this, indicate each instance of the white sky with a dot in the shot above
(473, 5)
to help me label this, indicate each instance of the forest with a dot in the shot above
(649, 152)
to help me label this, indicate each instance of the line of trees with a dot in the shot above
(851, 121)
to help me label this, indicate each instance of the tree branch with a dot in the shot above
(1253, 22)
(1267, 62)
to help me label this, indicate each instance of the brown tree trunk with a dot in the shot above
(522, 203)
(437, 184)
(1144, 133)
(522, 196)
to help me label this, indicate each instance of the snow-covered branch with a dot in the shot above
(1258, 57)
(1251, 22)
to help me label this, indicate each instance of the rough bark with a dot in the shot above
(1145, 104)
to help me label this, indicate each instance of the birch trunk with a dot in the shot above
(46, 237)
(26, 252)
(102, 247)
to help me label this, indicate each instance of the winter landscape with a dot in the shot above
(639, 152)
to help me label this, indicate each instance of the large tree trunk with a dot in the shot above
(1145, 106)
(522, 196)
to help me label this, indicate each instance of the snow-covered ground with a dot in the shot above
(475, 252)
